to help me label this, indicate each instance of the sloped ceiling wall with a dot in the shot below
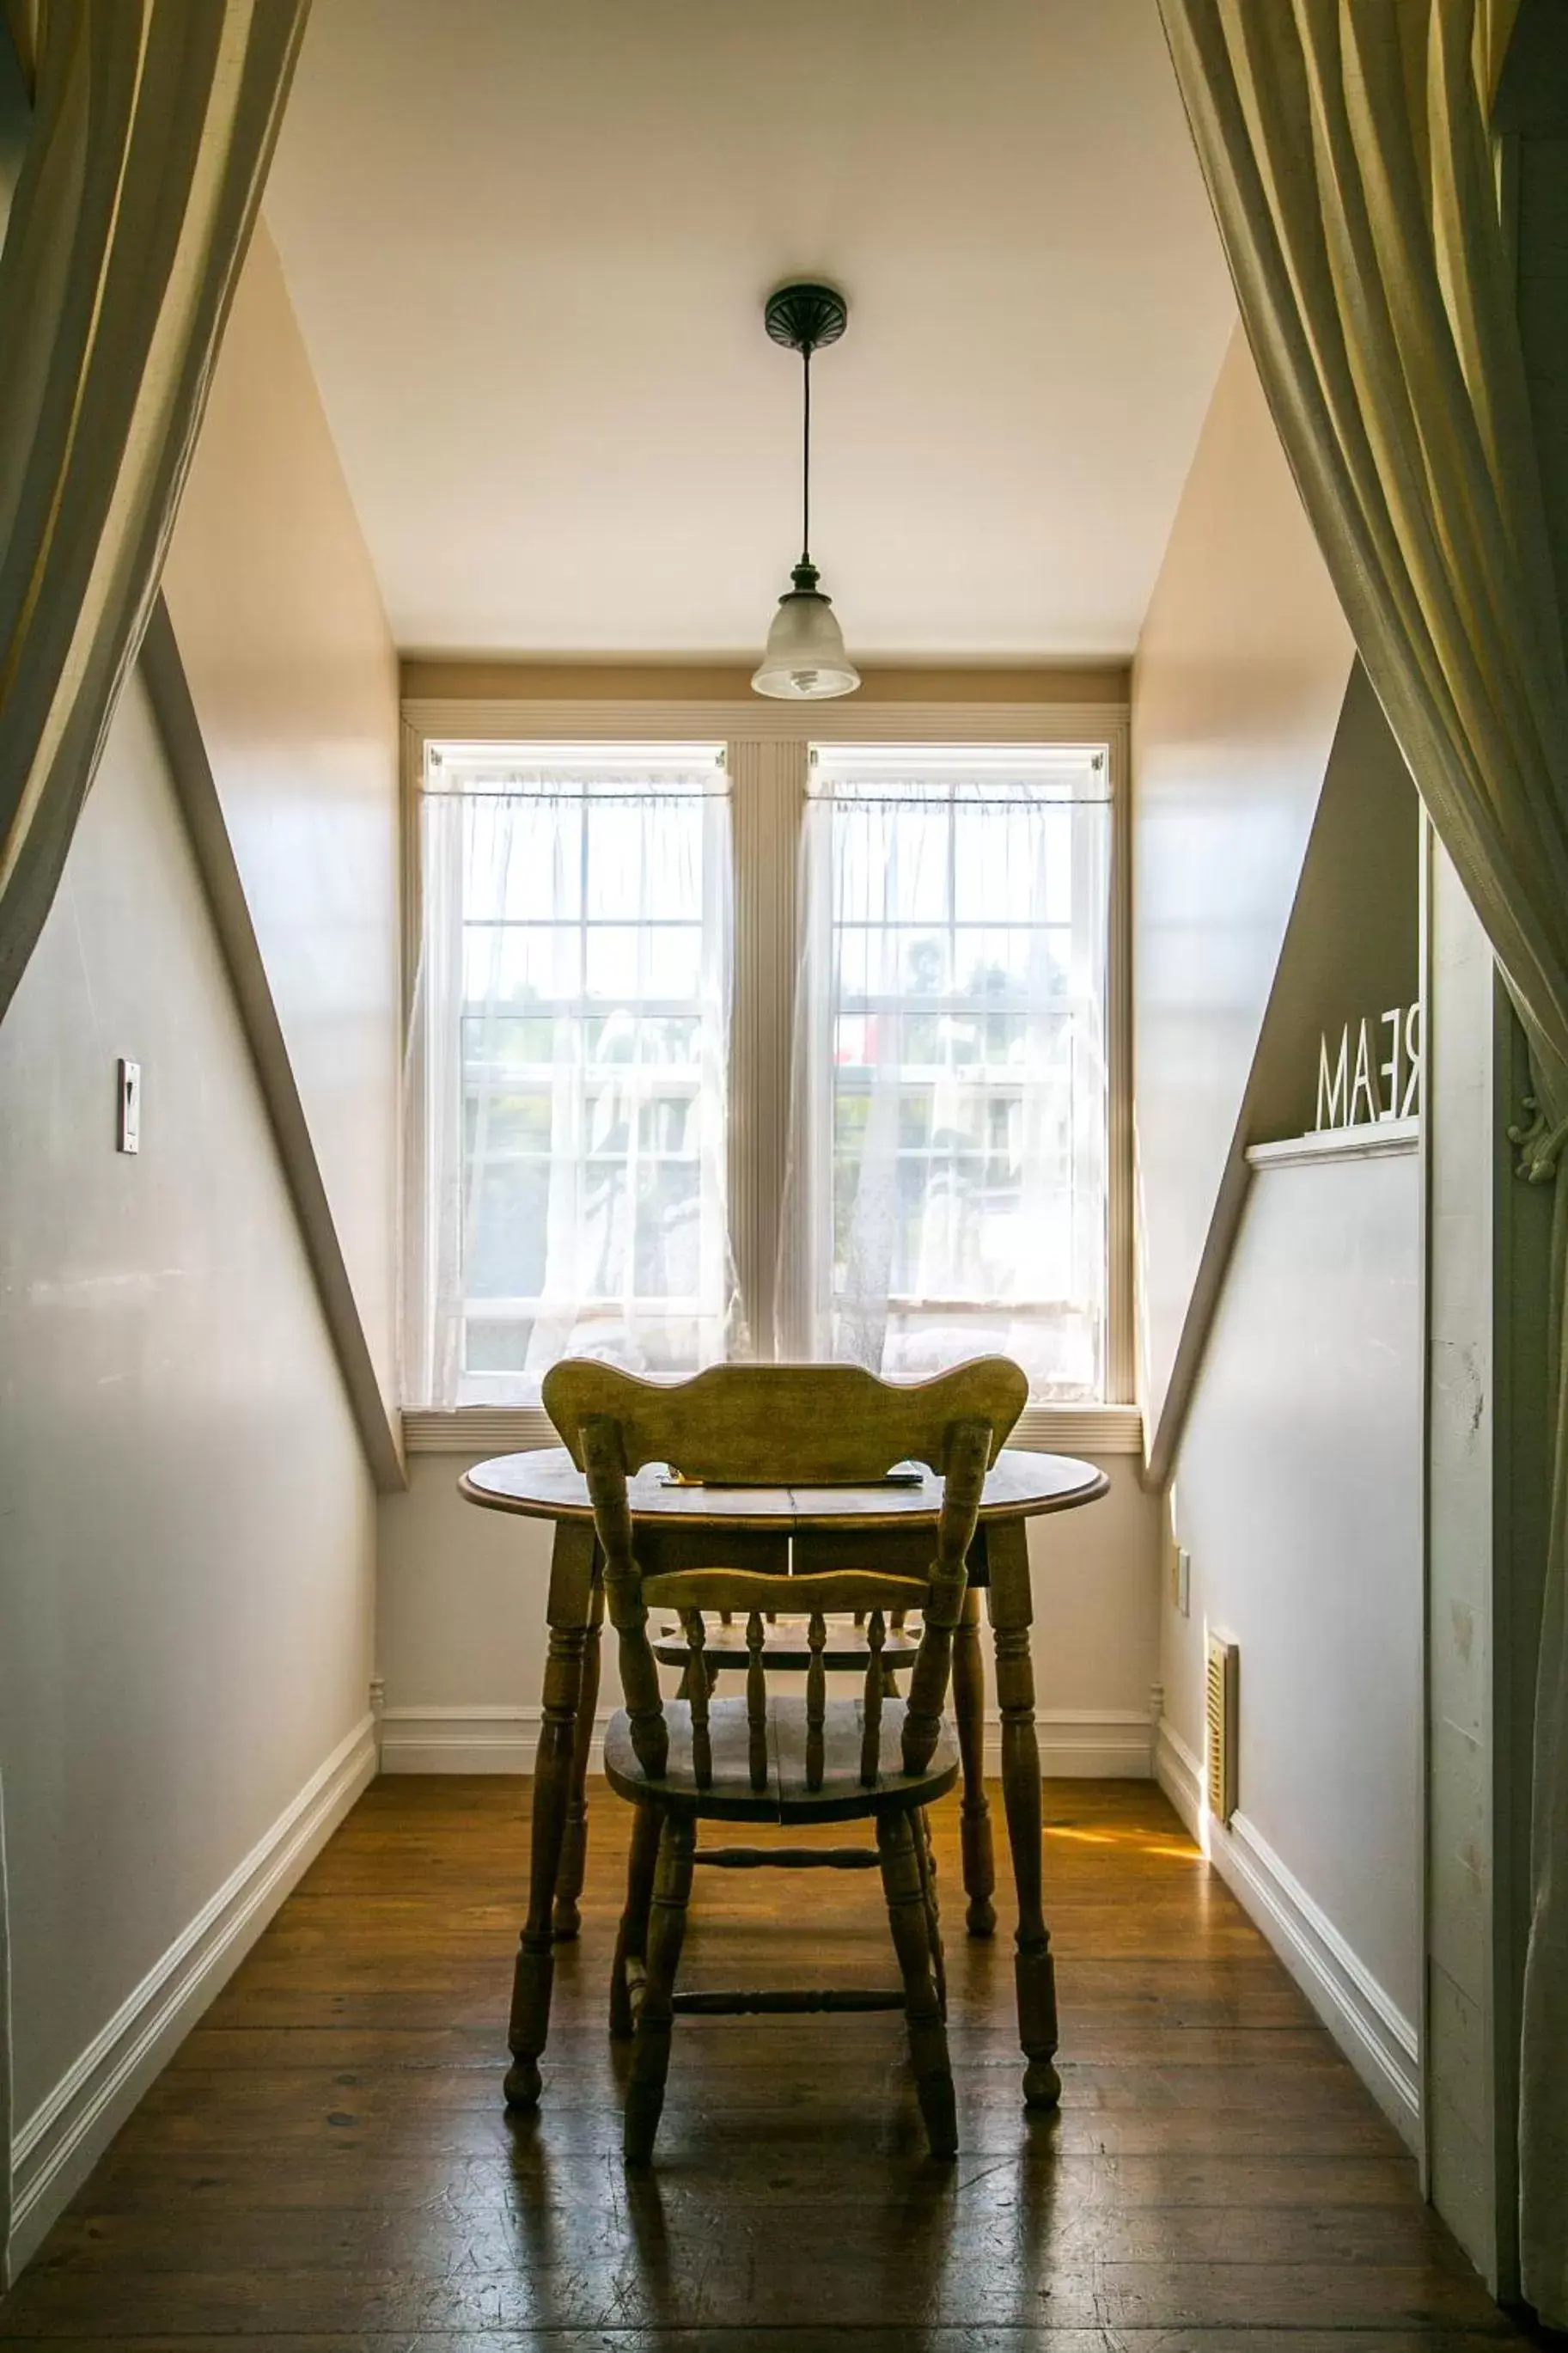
(1238, 689)
(293, 677)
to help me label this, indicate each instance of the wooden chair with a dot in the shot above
(763, 1758)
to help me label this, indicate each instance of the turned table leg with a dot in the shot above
(574, 1842)
(1007, 1557)
(974, 1823)
(571, 1588)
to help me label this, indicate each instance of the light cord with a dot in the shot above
(805, 459)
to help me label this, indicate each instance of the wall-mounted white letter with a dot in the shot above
(1361, 1085)
(1334, 1100)
(1413, 1051)
(1393, 1020)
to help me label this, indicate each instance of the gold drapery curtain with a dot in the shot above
(153, 123)
(1347, 149)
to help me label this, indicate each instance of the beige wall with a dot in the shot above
(294, 679)
(1237, 692)
(187, 1557)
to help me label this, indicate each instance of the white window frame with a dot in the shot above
(768, 751)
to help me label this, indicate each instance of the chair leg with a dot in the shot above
(568, 1917)
(907, 1915)
(969, 1716)
(631, 1942)
(925, 1856)
(667, 1928)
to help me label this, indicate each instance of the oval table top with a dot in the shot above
(544, 1483)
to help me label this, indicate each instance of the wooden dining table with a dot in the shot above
(886, 1526)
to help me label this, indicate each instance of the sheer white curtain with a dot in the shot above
(947, 1187)
(568, 1068)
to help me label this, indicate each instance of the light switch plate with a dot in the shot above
(129, 1122)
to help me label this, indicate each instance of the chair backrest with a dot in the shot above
(783, 1426)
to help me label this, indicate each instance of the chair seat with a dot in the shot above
(787, 1799)
(785, 1647)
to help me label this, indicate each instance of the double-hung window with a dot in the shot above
(952, 1085)
(857, 1047)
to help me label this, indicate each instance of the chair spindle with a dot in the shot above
(816, 1701)
(604, 1467)
(872, 1739)
(756, 1703)
(698, 1692)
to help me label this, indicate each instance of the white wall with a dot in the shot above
(460, 1628)
(187, 1576)
(1298, 1496)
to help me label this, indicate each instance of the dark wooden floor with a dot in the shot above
(327, 2166)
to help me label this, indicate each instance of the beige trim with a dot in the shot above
(497, 719)
(202, 810)
(1091, 1431)
(440, 678)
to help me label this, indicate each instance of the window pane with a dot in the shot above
(640, 961)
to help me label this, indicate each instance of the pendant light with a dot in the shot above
(805, 661)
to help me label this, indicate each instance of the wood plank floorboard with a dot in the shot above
(325, 2166)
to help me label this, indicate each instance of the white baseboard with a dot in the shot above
(1075, 1743)
(62, 2140)
(1085, 1743)
(1181, 1775)
(467, 1739)
(1380, 2042)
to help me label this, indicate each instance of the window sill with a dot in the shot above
(479, 1429)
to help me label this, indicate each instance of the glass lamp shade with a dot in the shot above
(805, 661)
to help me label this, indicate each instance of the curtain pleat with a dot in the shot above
(1347, 149)
(153, 124)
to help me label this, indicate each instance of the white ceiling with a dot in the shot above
(529, 242)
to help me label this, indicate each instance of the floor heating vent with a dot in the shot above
(1224, 1690)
